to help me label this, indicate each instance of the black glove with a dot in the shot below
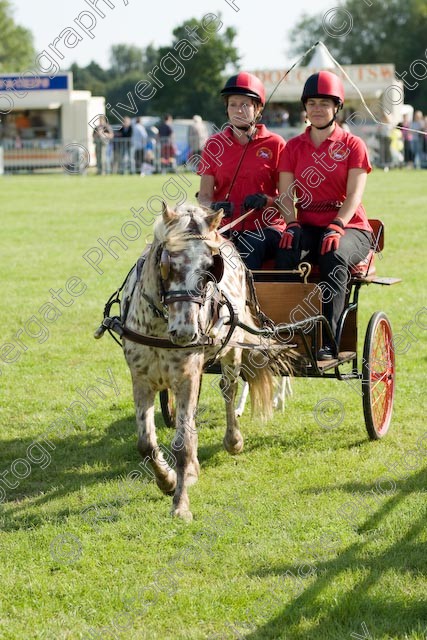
(226, 206)
(255, 201)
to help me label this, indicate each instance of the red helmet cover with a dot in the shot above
(245, 84)
(323, 84)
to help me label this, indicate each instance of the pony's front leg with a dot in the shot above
(233, 440)
(184, 446)
(144, 396)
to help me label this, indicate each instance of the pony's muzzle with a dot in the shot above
(183, 338)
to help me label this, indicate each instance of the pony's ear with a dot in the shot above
(214, 219)
(169, 214)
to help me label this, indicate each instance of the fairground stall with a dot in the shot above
(44, 122)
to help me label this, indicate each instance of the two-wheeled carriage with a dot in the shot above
(295, 309)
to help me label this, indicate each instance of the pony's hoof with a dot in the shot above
(167, 485)
(182, 513)
(234, 447)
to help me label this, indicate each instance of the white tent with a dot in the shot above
(321, 60)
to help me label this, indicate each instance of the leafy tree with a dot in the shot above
(372, 31)
(126, 58)
(117, 94)
(16, 43)
(195, 89)
(90, 78)
(151, 57)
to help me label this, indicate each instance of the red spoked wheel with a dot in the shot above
(167, 405)
(378, 376)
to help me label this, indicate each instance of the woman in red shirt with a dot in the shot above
(239, 171)
(323, 174)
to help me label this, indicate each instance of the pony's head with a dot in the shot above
(188, 253)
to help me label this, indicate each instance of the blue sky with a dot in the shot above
(262, 27)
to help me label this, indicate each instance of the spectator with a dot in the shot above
(384, 132)
(124, 142)
(417, 141)
(139, 143)
(197, 136)
(102, 135)
(396, 147)
(167, 144)
(285, 118)
(408, 153)
(424, 151)
(23, 123)
(150, 164)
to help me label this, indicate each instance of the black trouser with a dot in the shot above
(256, 246)
(139, 159)
(334, 266)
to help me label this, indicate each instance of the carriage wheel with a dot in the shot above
(167, 405)
(378, 376)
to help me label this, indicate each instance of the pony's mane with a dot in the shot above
(174, 233)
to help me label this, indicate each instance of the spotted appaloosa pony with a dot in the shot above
(178, 300)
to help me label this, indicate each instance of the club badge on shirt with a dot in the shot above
(264, 153)
(338, 151)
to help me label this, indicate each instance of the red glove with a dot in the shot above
(291, 237)
(332, 236)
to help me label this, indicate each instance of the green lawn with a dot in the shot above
(309, 534)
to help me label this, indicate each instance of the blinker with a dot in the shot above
(217, 268)
(164, 264)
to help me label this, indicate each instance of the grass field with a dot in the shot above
(312, 533)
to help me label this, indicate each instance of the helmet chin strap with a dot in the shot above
(326, 126)
(249, 130)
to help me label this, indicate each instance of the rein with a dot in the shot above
(114, 324)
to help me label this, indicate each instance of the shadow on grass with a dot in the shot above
(317, 614)
(84, 457)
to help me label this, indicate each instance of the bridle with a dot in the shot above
(117, 324)
(197, 296)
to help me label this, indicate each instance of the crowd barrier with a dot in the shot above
(120, 155)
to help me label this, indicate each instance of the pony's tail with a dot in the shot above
(260, 378)
(258, 368)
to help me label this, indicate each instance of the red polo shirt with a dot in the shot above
(258, 173)
(322, 174)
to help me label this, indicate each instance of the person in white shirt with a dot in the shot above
(139, 142)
